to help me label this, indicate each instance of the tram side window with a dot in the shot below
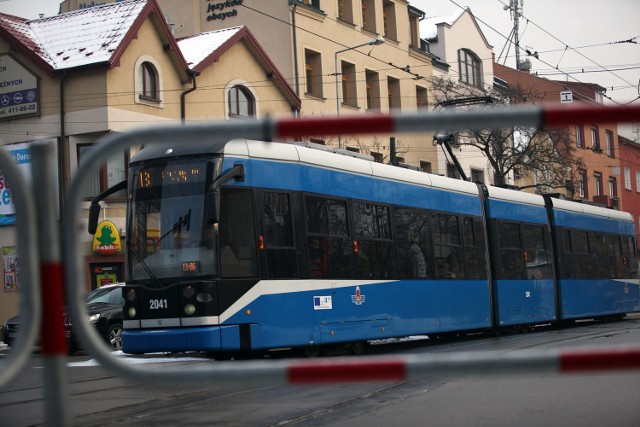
(375, 258)
(615, 256)
(413, 237)
(238, 251)
(447, 247)
(511, 255)
(629, 257)
(278, 236)
(581, 261)
(600, 252)
(474, 248)
(328, 238)
(537, 257)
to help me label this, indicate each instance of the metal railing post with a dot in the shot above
(52, 340)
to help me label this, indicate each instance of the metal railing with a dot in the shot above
(257, 372)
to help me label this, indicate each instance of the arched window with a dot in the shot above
(470, 68)
(149, 78)
(241, 102)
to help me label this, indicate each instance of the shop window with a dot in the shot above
(114, 171)
(241, 102)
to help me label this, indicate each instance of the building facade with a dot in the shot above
(114, 68)
(346, 57)
(465, 58)
(596, 144)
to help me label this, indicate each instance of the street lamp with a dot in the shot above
(372, 42)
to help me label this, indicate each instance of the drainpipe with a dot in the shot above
(183, 107)
(63, 158)
(295, 48)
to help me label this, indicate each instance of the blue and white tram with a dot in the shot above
(596, 255)
(247, 246)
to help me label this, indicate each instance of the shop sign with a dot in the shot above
(218, 10)
(106, 241)
(18, 89)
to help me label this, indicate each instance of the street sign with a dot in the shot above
(566, 96)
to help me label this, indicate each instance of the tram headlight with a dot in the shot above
(189, 309)
(188, 291)
(131, 295)
(204, 297)
(132, 312)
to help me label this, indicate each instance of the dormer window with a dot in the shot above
(149, 81)
(241, 102)
(470, 68)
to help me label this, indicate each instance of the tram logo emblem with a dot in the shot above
(358, 298)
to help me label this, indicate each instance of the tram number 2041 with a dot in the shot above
(158, 304)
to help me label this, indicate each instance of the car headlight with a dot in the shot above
(94, 317)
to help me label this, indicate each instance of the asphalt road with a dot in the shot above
(98, 398)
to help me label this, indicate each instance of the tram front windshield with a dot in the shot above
(167, 235)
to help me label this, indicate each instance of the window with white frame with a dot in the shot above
(241, 102)
(579, 136)
(582, 183)
(638, 181)
(148, 81)
(599, 187)
(613, 186)
(610, 147)
(627, 178)
(595, 139)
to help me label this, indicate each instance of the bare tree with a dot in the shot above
(546, 156)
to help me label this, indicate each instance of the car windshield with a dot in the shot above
(110, 295)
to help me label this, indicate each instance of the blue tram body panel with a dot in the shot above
(593, 298)
(365, 311)
(525, 302)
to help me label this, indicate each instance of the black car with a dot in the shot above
(104, 306)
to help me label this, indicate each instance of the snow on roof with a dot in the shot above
(197, 48)
(429, 26)
(74, 39)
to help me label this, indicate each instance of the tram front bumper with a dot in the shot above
(208, 338)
